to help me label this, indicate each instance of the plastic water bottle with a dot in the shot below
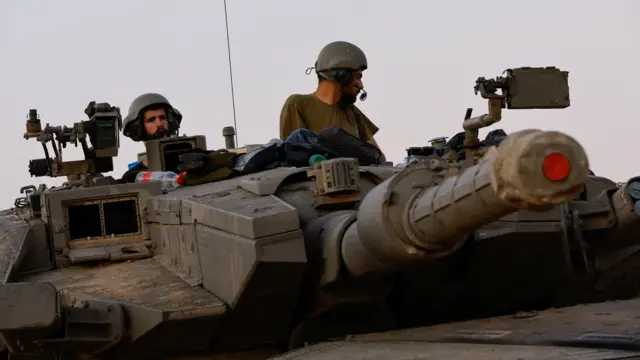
(314, 159)
(169, 179)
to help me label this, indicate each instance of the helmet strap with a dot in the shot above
(343, 77)
(173, 123)
(140, 132)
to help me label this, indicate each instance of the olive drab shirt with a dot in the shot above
(309, 112)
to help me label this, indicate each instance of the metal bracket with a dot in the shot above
(574, 244)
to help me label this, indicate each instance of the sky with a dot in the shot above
(424, 58)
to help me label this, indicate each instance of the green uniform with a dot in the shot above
(309, 112)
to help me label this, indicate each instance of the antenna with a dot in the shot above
(233, 98)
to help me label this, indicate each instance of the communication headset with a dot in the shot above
(344, 77)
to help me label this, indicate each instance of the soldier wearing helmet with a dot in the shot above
(339, 69)
(150, 117)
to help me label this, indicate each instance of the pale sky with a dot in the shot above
(424, 58)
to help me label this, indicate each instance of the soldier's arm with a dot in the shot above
(374, 143)
(370, 129)
(290, 118)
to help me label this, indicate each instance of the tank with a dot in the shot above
(258, 263)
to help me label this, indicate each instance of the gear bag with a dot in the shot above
(331, 143)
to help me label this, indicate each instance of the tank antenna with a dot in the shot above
(233, 98)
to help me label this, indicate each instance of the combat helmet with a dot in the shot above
(132, 125)
(340, 55)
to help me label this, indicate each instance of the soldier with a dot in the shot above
(150, 116)
(339, 68)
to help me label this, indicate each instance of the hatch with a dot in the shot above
(102, 218)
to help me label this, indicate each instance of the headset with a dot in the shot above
(344, 77)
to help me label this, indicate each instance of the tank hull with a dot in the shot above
(593, 331)
(258, 264)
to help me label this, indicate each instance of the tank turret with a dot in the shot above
(261, 256)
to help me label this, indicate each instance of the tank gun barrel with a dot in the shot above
(416, 215)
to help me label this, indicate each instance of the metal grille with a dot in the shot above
(340, 175)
